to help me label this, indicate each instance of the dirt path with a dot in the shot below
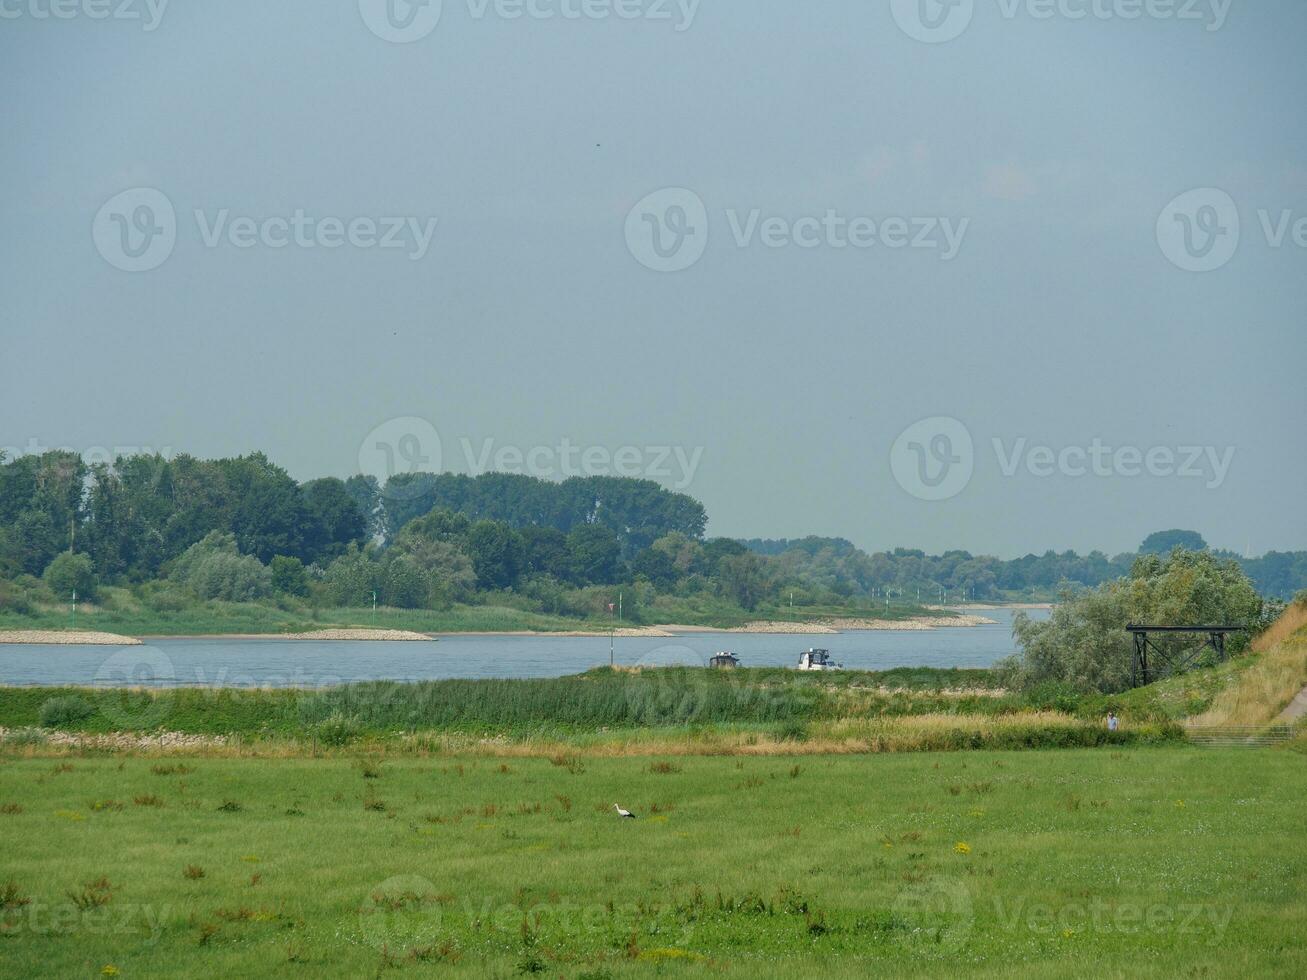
(1297, 708)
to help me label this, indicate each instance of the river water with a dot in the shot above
(281, 663)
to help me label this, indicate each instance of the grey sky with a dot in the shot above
(528, 319)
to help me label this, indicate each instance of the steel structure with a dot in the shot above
(1142, 671)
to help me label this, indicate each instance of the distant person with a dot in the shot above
(1112, 721)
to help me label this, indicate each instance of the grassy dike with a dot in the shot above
(1146, 862)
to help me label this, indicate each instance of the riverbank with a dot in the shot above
(67, 638)
(816, 627)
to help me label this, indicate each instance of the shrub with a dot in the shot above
(289, 576)
(337, 730)
(26, 736)
(215, 569)
(70, 573)
(64, 711)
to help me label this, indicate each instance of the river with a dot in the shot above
(282, 663)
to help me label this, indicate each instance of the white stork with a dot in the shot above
(624, 814)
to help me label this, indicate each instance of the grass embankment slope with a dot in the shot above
(1250, 690)
(120, 610)
(983, 864)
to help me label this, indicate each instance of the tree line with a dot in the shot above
(242, 528)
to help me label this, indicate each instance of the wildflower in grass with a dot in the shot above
(977, 813)
(962, 847)
(250, 858)
(1179, 804)
(109, 970)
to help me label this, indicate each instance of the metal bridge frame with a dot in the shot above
(1142, 672)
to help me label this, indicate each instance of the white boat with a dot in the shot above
(814, 659)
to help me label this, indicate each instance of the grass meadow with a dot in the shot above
(1144, 862)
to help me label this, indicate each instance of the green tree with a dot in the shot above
(744, 579)
(289, 576)
(1084, 643)
(334, 519)
(593, 554)
(214, 568)
(351, 578)
(497, 554)
(69, 573)
(1164, 542)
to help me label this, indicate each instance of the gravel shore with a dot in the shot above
(79, 637)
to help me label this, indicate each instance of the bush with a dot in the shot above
(289, 576)
(61, 711)
(337, 730)
(70, 573)
(215, 569)
(13, 599)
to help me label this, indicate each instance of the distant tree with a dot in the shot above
(214, 568)
(545, 551)
(497, 554)
(289, 576)
(744, 579)
(71, 572)
(268, 513)
(335, 519)
(34, 541)
(1162, 542)
(657, 566)
(404, 584)
(594, 552)
(1084, 644)
(366, 494)
(351, 579)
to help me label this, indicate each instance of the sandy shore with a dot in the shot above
(775, 626)
(627, 631)
(841, 625)
(70, 637)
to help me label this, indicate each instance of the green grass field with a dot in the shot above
(1155, 862)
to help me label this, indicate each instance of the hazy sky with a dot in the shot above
(1019, 271)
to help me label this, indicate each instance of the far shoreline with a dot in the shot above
(826, 626)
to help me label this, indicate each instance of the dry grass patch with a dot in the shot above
(1261, 691)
